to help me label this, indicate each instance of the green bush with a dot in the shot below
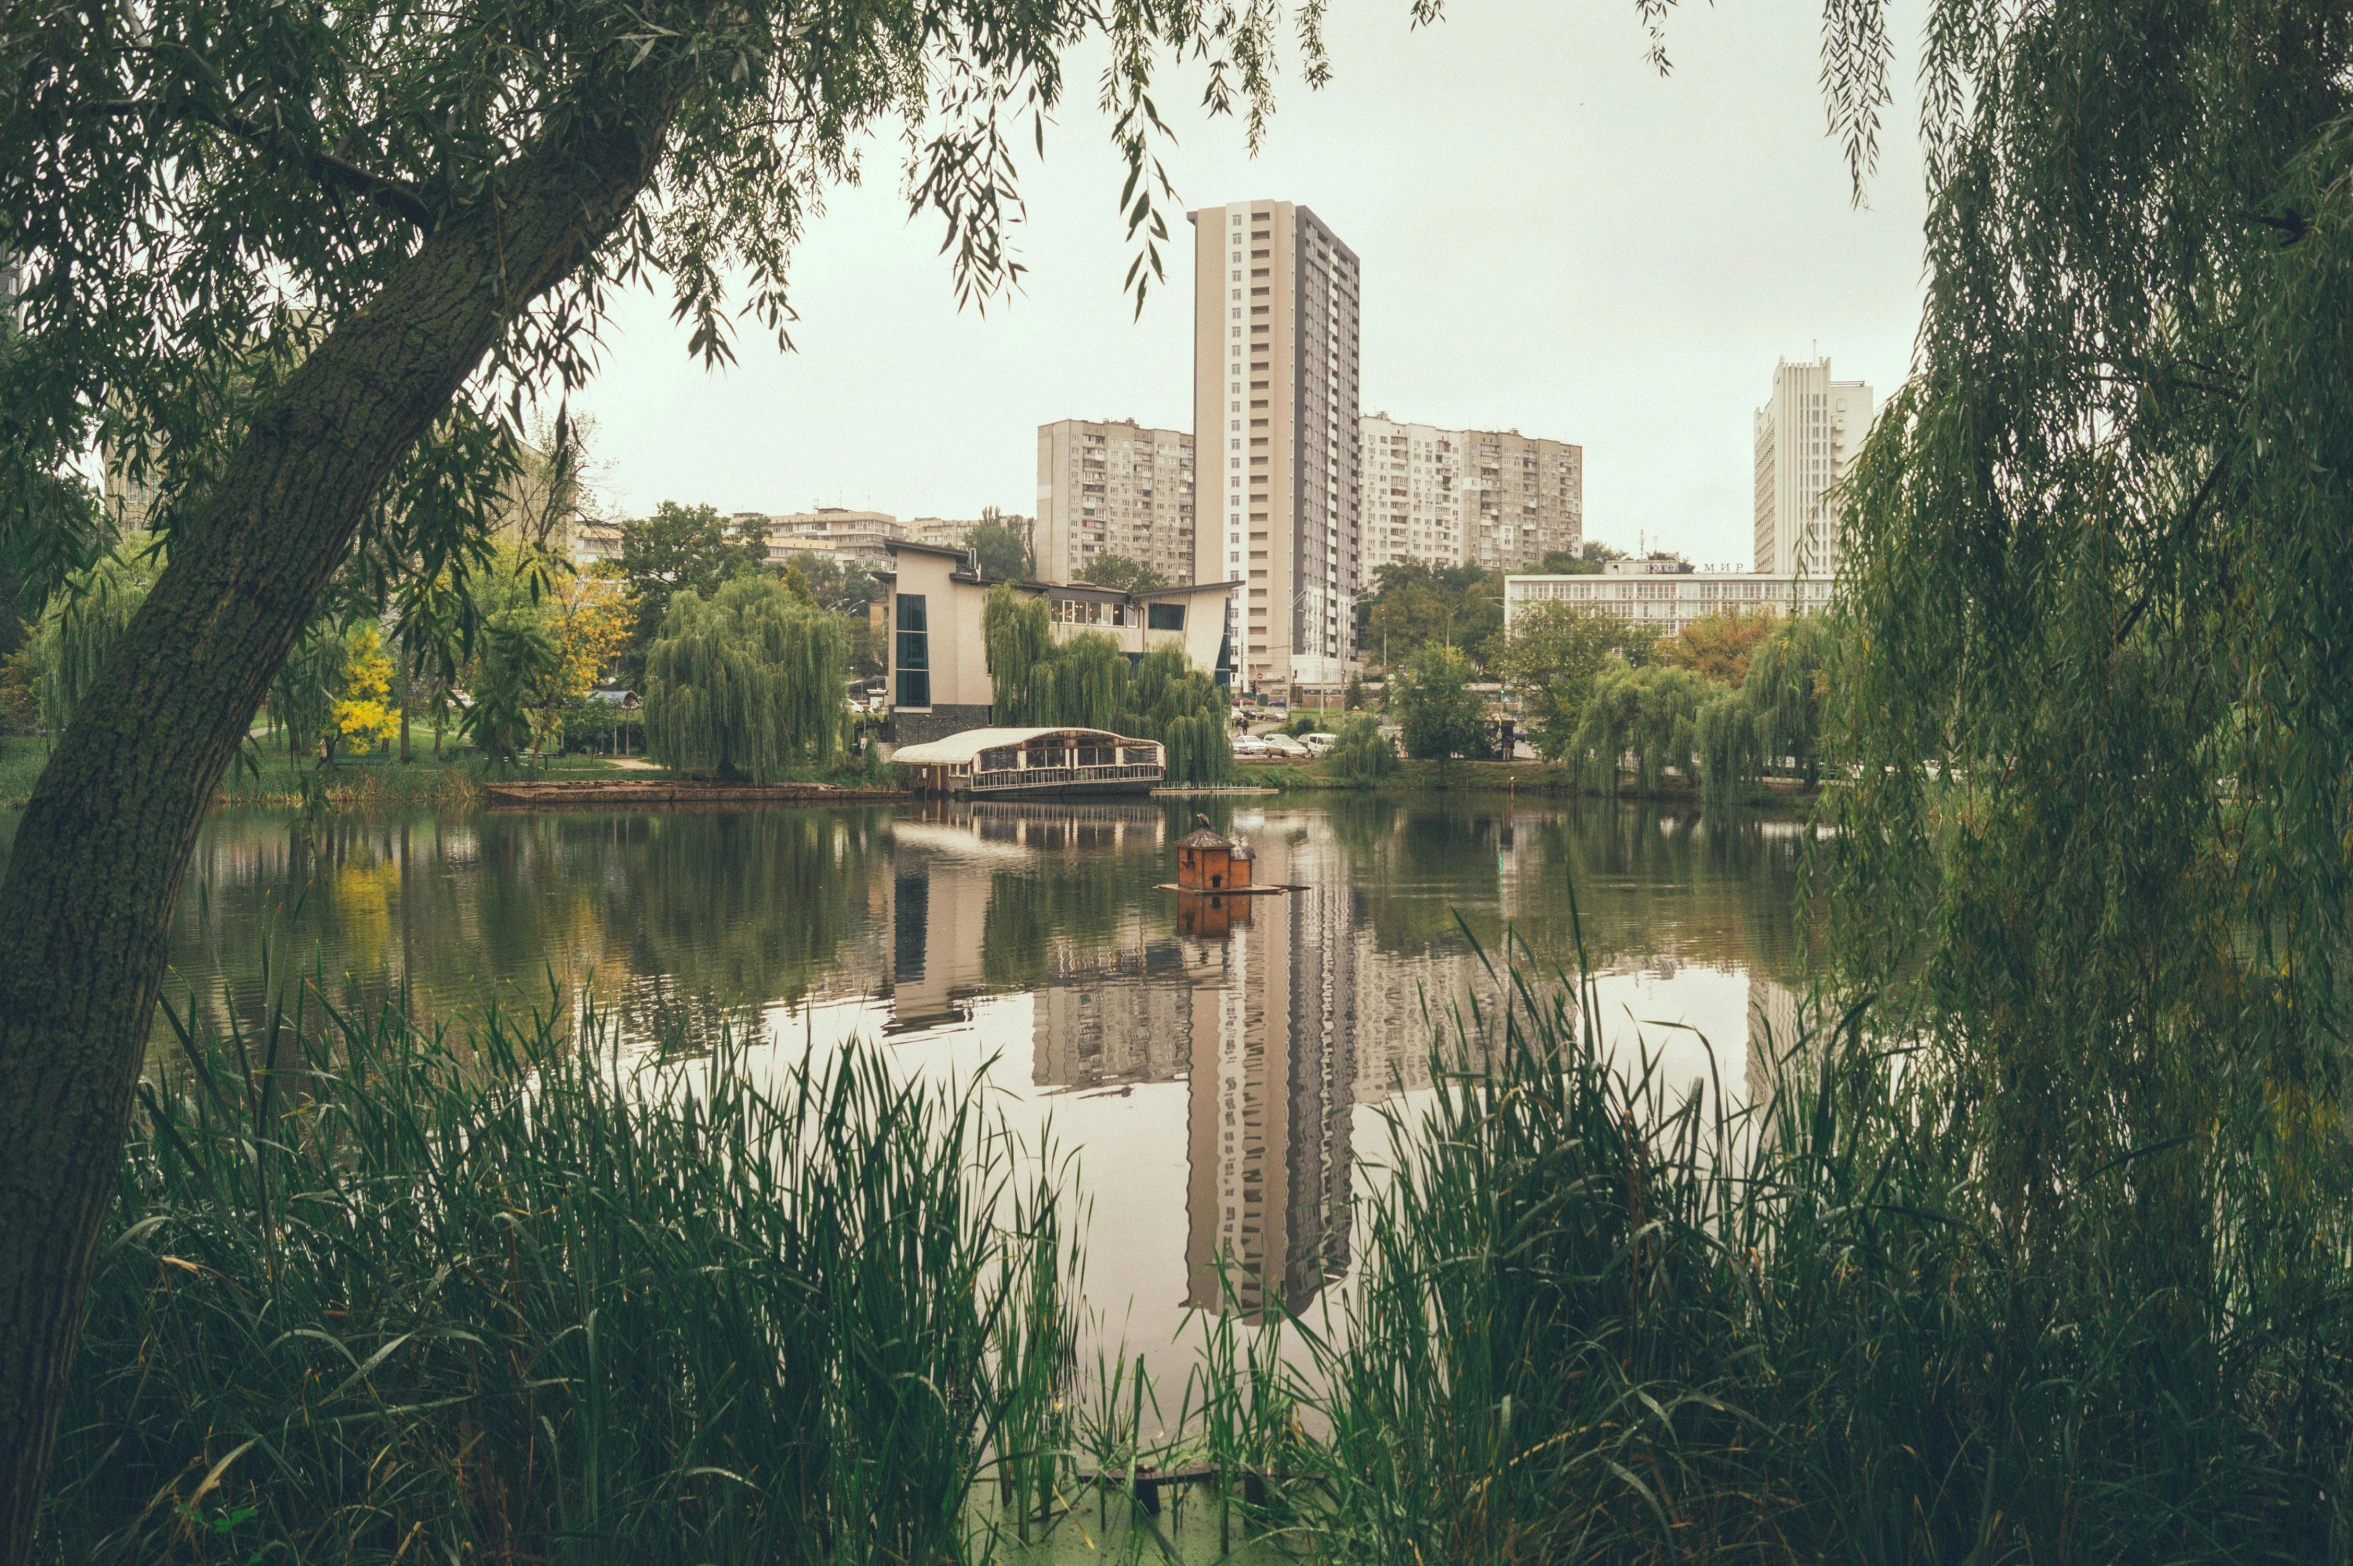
(1360, 755)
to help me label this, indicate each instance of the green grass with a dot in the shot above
(1534, 778)
(375, 1294)
(21, 759)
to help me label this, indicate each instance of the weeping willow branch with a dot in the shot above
(748, 683)
(1088, 682)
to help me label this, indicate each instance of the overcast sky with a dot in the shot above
(1554, 239)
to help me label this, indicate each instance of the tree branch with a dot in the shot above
(2188, 523)
(397, 196)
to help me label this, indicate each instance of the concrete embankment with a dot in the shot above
(653, 793)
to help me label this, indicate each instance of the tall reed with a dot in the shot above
(371, 1296)
(1601, 1317)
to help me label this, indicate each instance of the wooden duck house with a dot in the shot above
(1207, 862)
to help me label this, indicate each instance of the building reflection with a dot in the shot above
(1272, 1086)
(1282, 1016)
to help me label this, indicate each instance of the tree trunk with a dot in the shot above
(104, 843)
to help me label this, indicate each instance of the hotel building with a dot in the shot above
(1114, 488)
(1275, 323)
(1807, 434)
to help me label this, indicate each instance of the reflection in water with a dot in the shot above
(1215, 1057)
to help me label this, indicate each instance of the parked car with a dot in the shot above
(1249, 745)
(1285, 746)
(1318, 743)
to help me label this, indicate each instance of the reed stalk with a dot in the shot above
(374, 1295)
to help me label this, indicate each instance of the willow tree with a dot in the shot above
(1088, 682)
(408, 217)
(80, 627)
(1650, 713)
(1182, 706)
(749, 683)
(1017, 635)
(2096, 692)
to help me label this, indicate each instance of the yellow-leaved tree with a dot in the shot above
(364, 713)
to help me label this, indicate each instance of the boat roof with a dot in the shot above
(961, 749)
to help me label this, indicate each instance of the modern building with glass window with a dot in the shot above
(1665, 594)
(935, 604)
(1275, 316)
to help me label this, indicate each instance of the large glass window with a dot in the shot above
(1164, 617)
(913, 660)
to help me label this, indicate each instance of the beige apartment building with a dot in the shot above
(1495, 499)
(945, 532)
(1807, 434)
(1275, 340)
(1113, 487)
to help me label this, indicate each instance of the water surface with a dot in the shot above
(1219, 1075)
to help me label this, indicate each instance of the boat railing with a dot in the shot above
(1046, 777)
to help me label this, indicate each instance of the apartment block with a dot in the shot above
(1522, 498)
(945, 532)
(1114, 487)
(1495, 499)
(1275, 342)
(1807, 434)
(859, 538)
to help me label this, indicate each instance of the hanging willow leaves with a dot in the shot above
(2095, 696)
(1650, 713)
(748, 683)
(81, 626)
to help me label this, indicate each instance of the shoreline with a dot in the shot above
(1539, 779)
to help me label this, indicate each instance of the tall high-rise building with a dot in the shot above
(1275, 314)
(1495, 499)
(1114, 488)
(1807, 433)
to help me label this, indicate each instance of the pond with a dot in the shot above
(1219, 1083)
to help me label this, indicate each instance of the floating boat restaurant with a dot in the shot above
(1034, 763)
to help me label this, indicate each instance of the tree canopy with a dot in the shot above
(1554, 653)
(1413, 604)
(749, 683)
(1718, 646)
(1000, 547)
(680, 548)
(1431, 696)
(1124, 572)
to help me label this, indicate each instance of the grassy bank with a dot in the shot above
(1541, 779)
(359, 782)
